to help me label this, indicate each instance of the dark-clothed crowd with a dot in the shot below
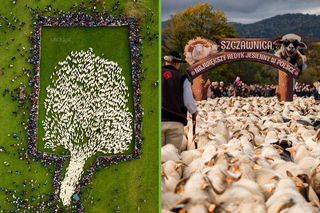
(218, 89)
(239, 88)
(308, 90)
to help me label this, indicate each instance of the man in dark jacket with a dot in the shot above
(177, 99)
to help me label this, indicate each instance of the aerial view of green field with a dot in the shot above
(90, 62)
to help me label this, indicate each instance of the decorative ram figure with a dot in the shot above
(292, 50)
(199, 48)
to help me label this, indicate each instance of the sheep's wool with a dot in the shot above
(86, 112)
(253, 154)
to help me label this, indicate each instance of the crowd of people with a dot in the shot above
(239, 88)
(79, 19)
(308, 90)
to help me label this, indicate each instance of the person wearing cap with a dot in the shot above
(177, 100)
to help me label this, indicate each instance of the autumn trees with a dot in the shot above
(200, 20)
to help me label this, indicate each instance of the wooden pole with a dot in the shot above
(285, 88)
(200, 87)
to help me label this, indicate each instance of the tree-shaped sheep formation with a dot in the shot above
(86, 112)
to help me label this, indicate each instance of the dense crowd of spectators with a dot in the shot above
(80, 19)
(308, 90)
(239, 88)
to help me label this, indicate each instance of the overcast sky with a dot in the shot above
(246, 11)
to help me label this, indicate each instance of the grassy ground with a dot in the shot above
(129, 186)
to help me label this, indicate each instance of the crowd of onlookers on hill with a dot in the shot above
(239, 88)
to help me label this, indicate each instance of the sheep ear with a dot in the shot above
(183, 210)
(236, 133)
(312, 196)
(204, 186)
(235, 167)
(229, 180)
(289, 174)
(228, 155)
(312, 176)
(317, 136)
(178, 166)
(292, 150)
(312, 203)
(275, 178)
(212, 186)
(277, 42)
(239, 135)
(210, 163)
(163, 173)
(256, 166)
(179, 187)
(304, 177)
(270, 189)
(234, 160)
(302, 45)
(179, 208)
(278, 148)
(299, 184)
(211, 208)
(269, 158)
(215, 157)
(285, 206)
(238, 176)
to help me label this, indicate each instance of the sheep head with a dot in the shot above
(199, 48)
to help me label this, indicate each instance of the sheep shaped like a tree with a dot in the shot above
(86, 112)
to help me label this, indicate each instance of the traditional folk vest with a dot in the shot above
(173, 108)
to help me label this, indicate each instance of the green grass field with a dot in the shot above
(128, 186)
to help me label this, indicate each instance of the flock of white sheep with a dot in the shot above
(86, 112)
(254, 155)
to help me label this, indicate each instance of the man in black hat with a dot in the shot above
(177, 99)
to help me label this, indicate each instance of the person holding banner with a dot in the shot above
(177, 100)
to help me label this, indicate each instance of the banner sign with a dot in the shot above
(284, 53)
(228, 57)
(245, 44)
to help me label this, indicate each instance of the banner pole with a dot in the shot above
(285, 87)
(200, 87)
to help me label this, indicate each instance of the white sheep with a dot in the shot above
(169, 152)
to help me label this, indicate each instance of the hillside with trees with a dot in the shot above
(305, 25)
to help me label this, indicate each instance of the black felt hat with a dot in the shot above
(174, 57)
